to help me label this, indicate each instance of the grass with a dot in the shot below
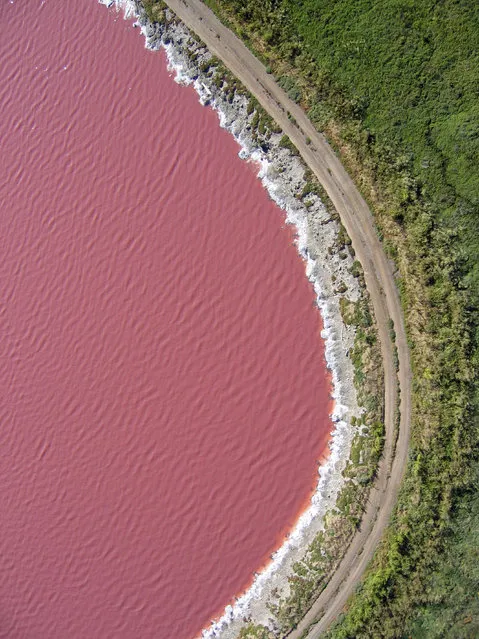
(449, 604)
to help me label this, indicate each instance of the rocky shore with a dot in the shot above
(329, 265)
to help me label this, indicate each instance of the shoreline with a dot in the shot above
(282, 174)
(282, 537)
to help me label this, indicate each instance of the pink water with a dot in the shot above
(163, 394)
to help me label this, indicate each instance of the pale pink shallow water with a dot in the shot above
(163, 394)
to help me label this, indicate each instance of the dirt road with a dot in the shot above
(357, 220)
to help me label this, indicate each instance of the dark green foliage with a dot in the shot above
(289, 85)
(287, 144)
(252, 631)
(154, 10)
(252, 105)
(449, 604)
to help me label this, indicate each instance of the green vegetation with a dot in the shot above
(289, 85)
(155, 10)
(449, 605)
(286, 143)
(254, 632)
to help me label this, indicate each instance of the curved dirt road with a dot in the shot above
(357, 220)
